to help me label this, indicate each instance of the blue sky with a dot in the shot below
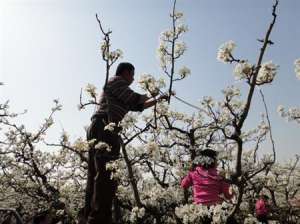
(50, 49)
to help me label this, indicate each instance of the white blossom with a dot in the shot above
(91, 90)
(153, 149)
(181, 28)
(263, 128)
(267, 72)
(225, 51)
(192, 213)
(251, 220)
(280, 109)
(297, 68)
(292, 113)
(117, 169)
(208, 100)
(242, 70)
(114, 55)
(231, 91)
(103, 146)
(178, 15)
(180, 48)
(136, 213)
(110, 127)
(184, 71)
(81, 145)
(148, 83)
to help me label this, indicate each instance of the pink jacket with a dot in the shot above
(207, 186)
(261, 208)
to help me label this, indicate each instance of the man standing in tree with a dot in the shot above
(116, 101)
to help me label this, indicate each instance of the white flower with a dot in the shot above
(181, 29)
(180, 48)
(153, 149)
(178, 15)
(104, 48)
(263, 128)
(167, 35)
(112, 166)
(91, 90)
(225, 51)
(250, 220)
(163, 53)
(280, 109)
(64, 137)
(294, 114)
(208, 100)
(192, 213)
(242, 70)
(110, 127)
(128, 121)
(148, 83)
(231, 91)
(184, 71)
(141, 212)
(136, 213)
(267, 72)
(117, 169)
(49, 121)
(102, 146)
(81, 145)
(244, 206)
(297, 68)
(114, 55)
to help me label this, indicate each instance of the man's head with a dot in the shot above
(126, 70)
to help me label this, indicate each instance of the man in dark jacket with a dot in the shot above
(116, 101)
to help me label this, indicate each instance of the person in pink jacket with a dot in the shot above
(208, 185)
(262, 209)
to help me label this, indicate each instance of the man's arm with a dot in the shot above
(137, 102)
(152, 101)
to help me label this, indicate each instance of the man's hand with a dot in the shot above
(155, 92)
(163, 97)
(152, 101)
(166, 96)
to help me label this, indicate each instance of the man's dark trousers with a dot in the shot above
(101, 188)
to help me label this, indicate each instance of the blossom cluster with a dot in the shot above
(267, 72)
(103, 146)
(91, 90)
(110, 127)
(153, 149)
(170, 47)
(194, 213)
(243, 70)
(136, 213)
(117, 169)
(184, 72)
(111, 56)
(297, 67)
(225, 51)
(292, 114)
(148, 83)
